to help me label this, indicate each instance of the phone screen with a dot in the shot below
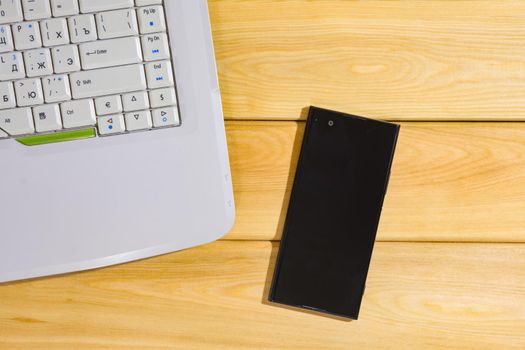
(334, 212)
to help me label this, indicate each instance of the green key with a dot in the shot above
(57, 137)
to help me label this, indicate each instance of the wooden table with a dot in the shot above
(449, 268)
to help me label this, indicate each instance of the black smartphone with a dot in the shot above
(334, 210)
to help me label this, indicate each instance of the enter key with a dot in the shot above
(109, 53)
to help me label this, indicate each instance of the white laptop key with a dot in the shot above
(7, 95)
(163, 117)
(147, 2)
(10, 11)
(135, 101)
(113, 124)
(159, 74)
(104, 5)
(108, 81)
(151, 19)
(163, 97)
(18, 121)
(155, 47)
(79, 113)
(12, 66)
(38, 62)
(82, 28)
(6, 39)
(56, 88)
(115, 24)
(28, 92)
(109, 53)
(140, 120)
(64, 7)
(27, 35)
(54, 32)
(65, 59)
(36, 9)
(47, 118)
(108, 105)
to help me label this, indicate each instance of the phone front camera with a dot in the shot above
(330, 123)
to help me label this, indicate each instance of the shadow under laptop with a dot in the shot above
(298, 139)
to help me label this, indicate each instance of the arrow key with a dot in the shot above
(135, 101)
(112, 124)
(138, 121)
(163, 117)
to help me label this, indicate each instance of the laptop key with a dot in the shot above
(6, 39)
(108, 81)
(27, 35)
(29, 92)
(109, 53)
(135, 101)
(163, 117)
(12, 66)
(78, 113)
(36, 9)
(159, 74)
(7, 95)
(116, 24)
(138, 121)
(47, 118)
(10, 11)
(151, 19)
(163, 97)
(103, 5)
(112, 124)
(18, 121)
(64, 7)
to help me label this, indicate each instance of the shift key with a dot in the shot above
(107, 81)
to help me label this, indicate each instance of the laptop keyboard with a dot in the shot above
(101, 66)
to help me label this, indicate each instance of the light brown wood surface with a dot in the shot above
(419, 296)
(424, 61)
(402, 60)
(450, 181)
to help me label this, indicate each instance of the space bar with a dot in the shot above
(107, 81)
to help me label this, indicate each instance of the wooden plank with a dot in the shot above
(450, 181)
(419, 296)
(402, 60)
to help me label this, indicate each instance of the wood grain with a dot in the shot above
(419, 296)
(450, 181)
(398, 60)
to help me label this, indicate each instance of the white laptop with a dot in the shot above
(112, 142)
